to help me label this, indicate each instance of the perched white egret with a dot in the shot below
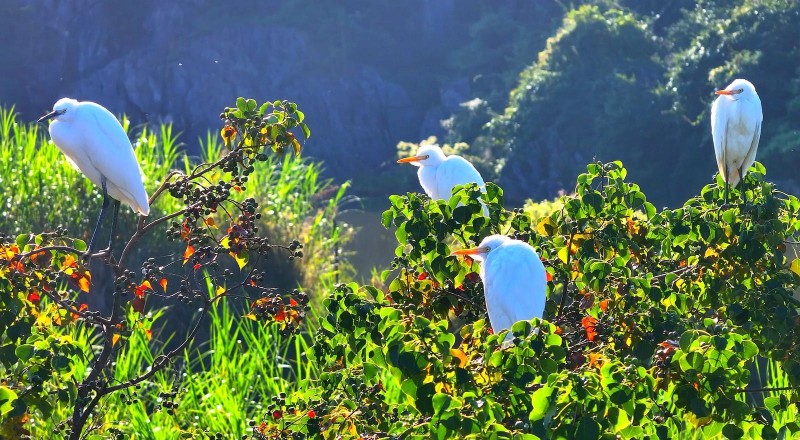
(736, 128)
(438, 174)
(514, 280)
(95, 143)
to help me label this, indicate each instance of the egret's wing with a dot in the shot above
(751, 153)
(719, 130)
(110, 151)
(514, 286)
(456, 170)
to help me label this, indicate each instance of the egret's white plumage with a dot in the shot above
(95, 143)
(736, 128)
(438, 174)
(514, 280)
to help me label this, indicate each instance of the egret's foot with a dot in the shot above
(86, 257)
(105, 254)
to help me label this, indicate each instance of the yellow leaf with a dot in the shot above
(219, 290)
(241, 258)
(114, 339)
(796, 266)
(250, 316)
(210, 222)
(711, 253)
(562, 254)
(460, 355)
(296, 146)
(546, 227)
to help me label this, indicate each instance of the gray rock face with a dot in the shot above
(183, 61)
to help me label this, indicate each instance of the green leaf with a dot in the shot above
(60, 362)
(79, 245)
(24, 352)
(7, 398)
(306, 130)
(251, 104)
(241, 104)
(22, 240)
(732, 431)
(588, 429)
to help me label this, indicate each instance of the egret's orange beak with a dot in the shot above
(412, 159)
(725, 92)
(471, 251)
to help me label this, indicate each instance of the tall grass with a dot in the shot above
(224, 380)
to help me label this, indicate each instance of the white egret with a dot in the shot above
(438, 174)
(514, 280)
(736, 128)
(95, 143)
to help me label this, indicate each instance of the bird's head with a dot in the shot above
(63, 110)
(427, 155)
(738, 89)
(487, 245)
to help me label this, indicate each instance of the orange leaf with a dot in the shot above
(595, 360)
(604, 305)
(69, 261)
(210, 222)
(237, 188)
(114, 339)
(281, 315)
(148, 334)
(460, 355)
(163, 284)
(549, 276)
(589, 324)
(188, 253)
(185, 231)
(81, 308)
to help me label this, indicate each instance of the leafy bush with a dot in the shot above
(654, 324)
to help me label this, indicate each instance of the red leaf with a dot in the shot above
(138, 304)
(34, 297)
(277, 414)
(142, 288)
(312, 414)
(292, 302)
(280, 315)
(422, 276)
(197, 266)
(549, 276)
(163, 284)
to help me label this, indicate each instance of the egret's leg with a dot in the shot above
(99, 219)
(725, 179)
(742, 189)
(107, 250)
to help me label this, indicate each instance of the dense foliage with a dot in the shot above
(656, 323)
(634, 81)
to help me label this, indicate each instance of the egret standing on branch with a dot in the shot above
(514, 280)
(736, 128)
(96, 144)
(438, 174)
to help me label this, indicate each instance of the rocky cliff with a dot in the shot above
(182, 61)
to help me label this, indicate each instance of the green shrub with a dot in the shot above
(654, 323)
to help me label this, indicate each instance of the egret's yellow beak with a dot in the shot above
(471, 251)
(725, 92)
(413, 159)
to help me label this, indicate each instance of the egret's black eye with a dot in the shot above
(741, 90)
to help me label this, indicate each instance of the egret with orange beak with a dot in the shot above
(514, 280)
(736, 128)
(438, 174)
